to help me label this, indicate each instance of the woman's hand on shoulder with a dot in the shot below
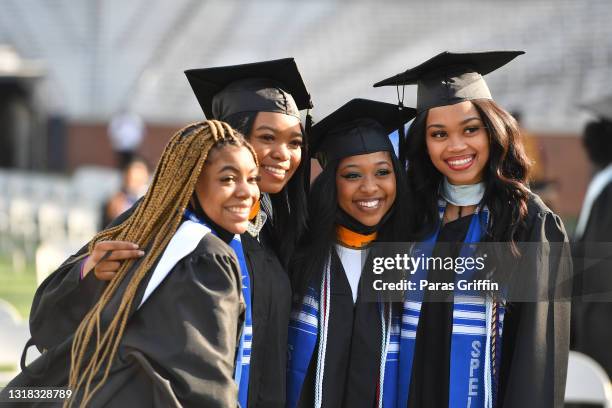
(106, 257)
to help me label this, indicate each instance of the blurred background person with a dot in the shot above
(595, 221)
(590, 333)
(126, 131)
(134, 184)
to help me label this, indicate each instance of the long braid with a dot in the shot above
(152, 225)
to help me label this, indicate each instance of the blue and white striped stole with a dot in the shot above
(308, 325)
(477, 329)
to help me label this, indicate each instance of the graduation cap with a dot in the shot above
(602, 108)
(360, 126)
(450, 78)
(268, 86)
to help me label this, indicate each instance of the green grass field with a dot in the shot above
(17, 288)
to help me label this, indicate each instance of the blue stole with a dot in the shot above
(307, 327)
(472, 383)
(243, 356)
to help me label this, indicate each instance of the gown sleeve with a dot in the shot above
(536, 334)
(179, 348)
(63, 298)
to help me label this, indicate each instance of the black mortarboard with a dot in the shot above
(450, 78)
(602, 108)
(360, 126)
(268, 86)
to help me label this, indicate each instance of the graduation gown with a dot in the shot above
(535, 343)
(590, 334)
(63, 299)
(429, 386)
(178, 348)
(271, 300)
(352, 361)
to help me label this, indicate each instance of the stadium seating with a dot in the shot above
(342, 47)
(59, 214)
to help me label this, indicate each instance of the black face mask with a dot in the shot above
(342, 218)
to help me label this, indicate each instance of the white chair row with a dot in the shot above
(27, 221)
(91, 185)
(36, 207)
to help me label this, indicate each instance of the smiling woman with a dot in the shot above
(263, 100)
(457, 142)
(278, 141)
(165, 330)
(227, 190)
(468, 168)
(366, 186)
(360, 197)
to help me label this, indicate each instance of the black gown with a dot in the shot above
(353, 349)
(429, 386)
(62, 300)
(590, 333)
(271, 299)
(178, 349)
(535, 342)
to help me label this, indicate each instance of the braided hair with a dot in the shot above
(152, 225)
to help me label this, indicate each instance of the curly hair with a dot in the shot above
(505, 176)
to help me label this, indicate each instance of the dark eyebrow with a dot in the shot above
(230, 168)
(463, 122)
(266, 127)
(377, 163)
(274, 130)
(384, 162)
(349, 165)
